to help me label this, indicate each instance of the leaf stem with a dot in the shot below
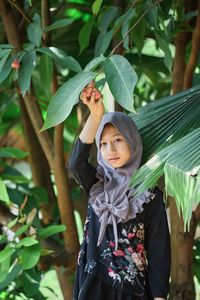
(20, 10)
(134, 25)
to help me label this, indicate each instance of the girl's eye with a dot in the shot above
(102, 145)
(117, 140)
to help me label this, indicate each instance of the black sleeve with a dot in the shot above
(83, 172)
(158, 247)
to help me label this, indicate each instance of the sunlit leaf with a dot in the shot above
(5, 253)
(12, 152)
(43, 233)
(65, 98)
(30, 256)
(96, 6)
(22, 230)
(3, 193)
(121, 79)
(27, 242)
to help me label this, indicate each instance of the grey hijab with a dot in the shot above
(111, 197)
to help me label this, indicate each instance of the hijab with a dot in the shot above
(111, 197)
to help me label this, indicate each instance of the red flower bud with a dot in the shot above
(15, 64)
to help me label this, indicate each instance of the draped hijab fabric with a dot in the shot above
(111, 197)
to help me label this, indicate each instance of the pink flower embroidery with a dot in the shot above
(140, 248)
(131, 235)
(119, 253)
(112, 244)
(130, 249)
(138, 261)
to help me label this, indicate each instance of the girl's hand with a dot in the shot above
(93, 98)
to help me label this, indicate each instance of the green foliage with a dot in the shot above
(121, 79)
(65, 98)
(84, 35)
(96, 6)
(175, 147)
(34, 31)
(12, 153)
(4, 195)
(28, 63)
(58, 24)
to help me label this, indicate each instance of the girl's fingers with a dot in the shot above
(88, 91)
(91, 84)
(83, 97)
(92, 99)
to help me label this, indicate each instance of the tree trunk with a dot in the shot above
(182, 284)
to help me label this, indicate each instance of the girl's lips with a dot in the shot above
(113, 159)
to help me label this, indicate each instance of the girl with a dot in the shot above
(125, 254)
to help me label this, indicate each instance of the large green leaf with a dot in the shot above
(28, 63)
(12, 274)
(30, 256)
(96, 6)
(43, 233)
(5, 253)
(35, 31)
(85, 33)
(12, 153)
(6, 70)
(61, 58)
(4, 58)
(65, 98)
(27, 242)
(45, 70)
(58, 24)
(3, 193)
(121, 79)
(103, 42)
(125, 27)
(94, 63)
(164, 46)
(31, 282)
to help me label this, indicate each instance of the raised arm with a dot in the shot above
(93, 99)
(82, 170)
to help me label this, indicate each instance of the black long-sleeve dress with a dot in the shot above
(140, 267)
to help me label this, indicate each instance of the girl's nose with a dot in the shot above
(112, 148)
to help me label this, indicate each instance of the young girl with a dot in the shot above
(125, 254)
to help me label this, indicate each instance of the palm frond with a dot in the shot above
(170, 129)
(164, 121)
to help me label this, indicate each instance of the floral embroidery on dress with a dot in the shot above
(90, 266)
(129, 260)
(85, 230)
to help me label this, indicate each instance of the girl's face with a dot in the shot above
(114, 148)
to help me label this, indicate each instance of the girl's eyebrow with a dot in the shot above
(114, 135)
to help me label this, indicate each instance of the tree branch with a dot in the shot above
(15, 4)
(134, 25)
(37, 121)
(191, 65)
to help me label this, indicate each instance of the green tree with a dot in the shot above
(49, 51)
